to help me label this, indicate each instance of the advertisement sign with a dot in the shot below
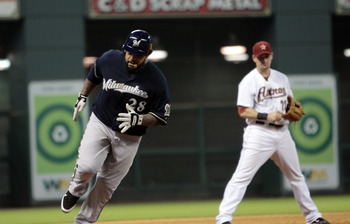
(177, 8)
(9, 9)
(54, 137)
(316, 135)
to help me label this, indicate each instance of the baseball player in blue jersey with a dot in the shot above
(134, 95)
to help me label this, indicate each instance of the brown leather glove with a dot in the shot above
(294, 110)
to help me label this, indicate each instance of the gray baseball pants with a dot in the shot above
(108, 155)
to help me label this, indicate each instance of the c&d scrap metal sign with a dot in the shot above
(177, 8)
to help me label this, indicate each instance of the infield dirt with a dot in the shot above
(333, 217)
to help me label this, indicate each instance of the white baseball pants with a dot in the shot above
(109, 155)
(259, 144)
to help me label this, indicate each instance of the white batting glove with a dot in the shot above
(79, 106)
(130, 119)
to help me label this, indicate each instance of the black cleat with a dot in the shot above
(68, 202)
(226, 223)
(320, 221)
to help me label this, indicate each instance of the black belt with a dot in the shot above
(270, 124)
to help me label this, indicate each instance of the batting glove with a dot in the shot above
(130, 119)
(79, 106)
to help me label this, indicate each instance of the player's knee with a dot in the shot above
(295, 179)
(86, 170)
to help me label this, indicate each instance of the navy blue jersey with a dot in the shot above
(146, 91)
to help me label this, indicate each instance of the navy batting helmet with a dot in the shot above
(138, 42)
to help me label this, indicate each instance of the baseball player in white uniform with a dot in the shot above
(262, 99)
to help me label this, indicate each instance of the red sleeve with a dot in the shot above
(241, 109)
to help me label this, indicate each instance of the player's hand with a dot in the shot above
(274, 116)
(79, 106)
(130, 119)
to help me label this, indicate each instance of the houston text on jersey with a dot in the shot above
(270, 93)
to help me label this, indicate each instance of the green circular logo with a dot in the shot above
(59, 133)
(58, 137)
(311, 125)
(314, 132)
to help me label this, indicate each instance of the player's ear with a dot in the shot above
(150, 52)
(254, 58)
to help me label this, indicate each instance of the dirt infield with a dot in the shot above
(333, 217)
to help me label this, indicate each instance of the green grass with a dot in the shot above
(156, 210)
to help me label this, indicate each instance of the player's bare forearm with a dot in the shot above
(88, 87)
(149, 120)
(253, 114)
(249, 113)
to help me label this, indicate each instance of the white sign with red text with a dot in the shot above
(176, 8)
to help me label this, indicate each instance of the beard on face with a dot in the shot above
(134, 68)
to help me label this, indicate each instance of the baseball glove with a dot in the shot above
(294, 110)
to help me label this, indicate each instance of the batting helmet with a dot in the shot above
(138, 42)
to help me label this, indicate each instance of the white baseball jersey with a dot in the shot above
(264, 96)
(263, 141)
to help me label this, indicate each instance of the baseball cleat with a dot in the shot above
(68, 202)
(320, 221)
(226, 223)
